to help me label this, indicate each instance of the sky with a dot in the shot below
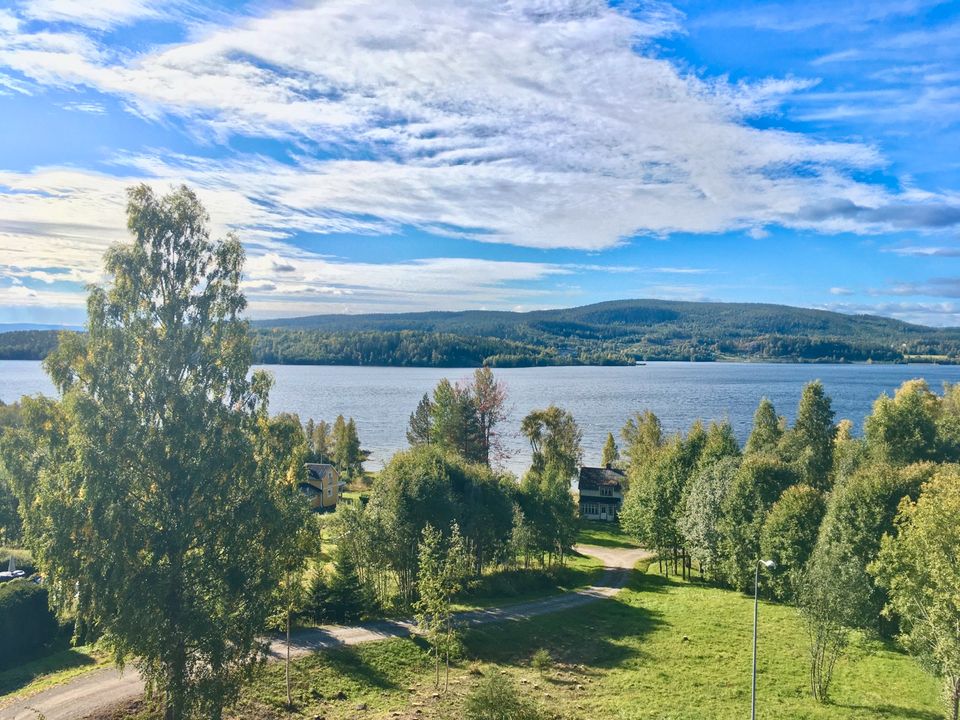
(494, 154)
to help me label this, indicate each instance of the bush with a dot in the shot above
(541, 661)
(26, 623)
(496, 698)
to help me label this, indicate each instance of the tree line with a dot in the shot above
(863, 530)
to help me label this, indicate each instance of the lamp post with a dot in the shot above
(769, 565)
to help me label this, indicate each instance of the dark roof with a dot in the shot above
(595, 477)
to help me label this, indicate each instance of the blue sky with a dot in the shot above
(508, 154)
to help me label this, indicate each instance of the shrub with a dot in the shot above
(541, 661)
(496, 698)
(26, 623)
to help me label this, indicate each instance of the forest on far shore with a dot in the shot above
(621, 332)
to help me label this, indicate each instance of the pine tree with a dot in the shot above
(611, 454)
(418, 430)
(766, 431)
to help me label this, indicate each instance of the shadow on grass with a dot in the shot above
(350, 663)
(892, 711)
(590, 635)
(61, 658)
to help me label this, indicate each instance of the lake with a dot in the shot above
(601, 398)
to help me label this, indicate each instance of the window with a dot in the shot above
(329, 490)
(606, 491)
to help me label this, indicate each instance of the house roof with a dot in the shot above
(316, 471)
(592, 478)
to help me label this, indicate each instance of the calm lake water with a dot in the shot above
(601, 398)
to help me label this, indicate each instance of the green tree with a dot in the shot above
(555, 441)
(285, 442)
(548, 506)
(418, 429)
(442, 569)
(345, 451)
(809, 443)
(341, 597)
(719, 443)
(849, 452)
(701, 522)
(319, 441)
(767, 429)
(902, 429)
(789, 535)
(755, 488)
(859, 512)
(162, 460)
(454, 425)
(611, 454)
(651, 507)
(948, 424)
(642, 438)
(918, 566)
(827, 585)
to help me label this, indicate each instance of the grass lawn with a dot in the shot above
(662, 649)
(604, 534)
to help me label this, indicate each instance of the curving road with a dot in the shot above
(85, 694)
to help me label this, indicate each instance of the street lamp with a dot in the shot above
(769, 565)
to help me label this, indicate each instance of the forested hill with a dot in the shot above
(623, 331)
(618, 331)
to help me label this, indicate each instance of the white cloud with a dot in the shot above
(531, 123)
(935, 314)
(100, 14)
(841, 291)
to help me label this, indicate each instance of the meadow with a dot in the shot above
(662, 649)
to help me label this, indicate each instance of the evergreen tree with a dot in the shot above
(341, 596)
(611, 454)
(454, 425)
(810, 442)
(418, 429)
(720, 443)
(767, 429)
(353, 454)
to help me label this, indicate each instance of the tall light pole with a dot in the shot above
(769, 565)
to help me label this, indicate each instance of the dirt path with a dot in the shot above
(97, 689)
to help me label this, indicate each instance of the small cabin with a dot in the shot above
(323, 486)
(601, 493)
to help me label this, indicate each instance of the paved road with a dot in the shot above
(97, 689)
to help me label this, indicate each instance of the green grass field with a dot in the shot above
(662, 649)
(604, 534)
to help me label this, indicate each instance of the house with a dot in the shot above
(323, 486)
(601, 492)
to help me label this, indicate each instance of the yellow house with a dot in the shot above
(323, 486)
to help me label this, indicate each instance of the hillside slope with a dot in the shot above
(617, 331)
